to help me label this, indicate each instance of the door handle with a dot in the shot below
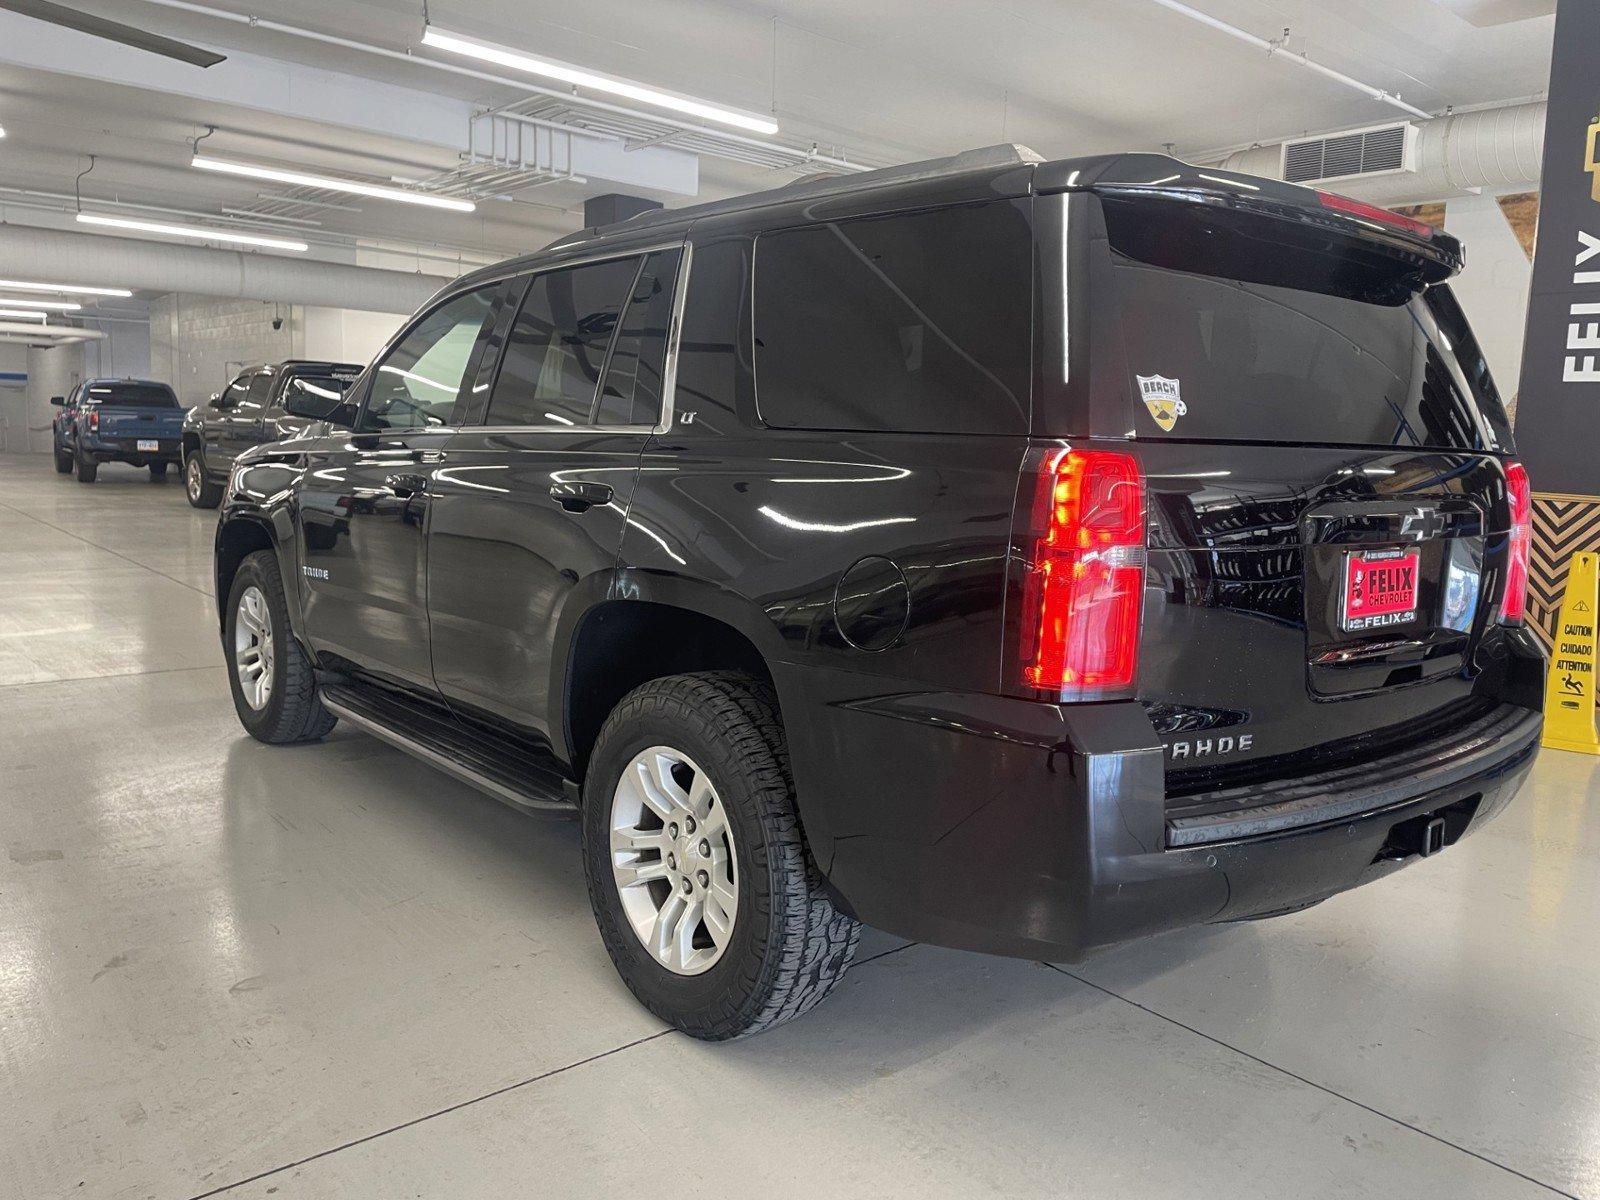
(406, 485)
(580, 495)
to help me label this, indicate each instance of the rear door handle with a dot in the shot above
(580, 495)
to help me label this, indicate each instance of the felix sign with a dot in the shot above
(1558, 408)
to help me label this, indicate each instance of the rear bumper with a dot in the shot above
(126, 450)
(1050, 834)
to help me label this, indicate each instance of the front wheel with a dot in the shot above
(274, 688)
(706, 897)
(201, 491)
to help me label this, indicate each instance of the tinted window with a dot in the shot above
(920, 322)
(418, 382)
(1221, 331)
(132, 395)
(260, 391)
(315, 395)
(631, 393)
(558, 344)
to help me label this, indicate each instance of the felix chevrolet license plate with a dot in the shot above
(1380, 589)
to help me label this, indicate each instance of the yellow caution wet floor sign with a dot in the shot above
(1569, 693)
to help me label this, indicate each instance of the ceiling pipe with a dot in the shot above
(30, 252)
(1493, 148)
(1279, 50)
(23, 332)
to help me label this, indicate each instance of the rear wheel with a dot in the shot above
(158, 470)
(706, 897)
(88, 469)
(274, 688)
(63, 461)
(201, 491)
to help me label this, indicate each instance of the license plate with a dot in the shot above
(148, 444)
(1380, 589)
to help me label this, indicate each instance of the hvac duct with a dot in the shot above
(28, 252)
(1493, 148)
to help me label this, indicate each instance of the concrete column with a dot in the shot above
(52, 371)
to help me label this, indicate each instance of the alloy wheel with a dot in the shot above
(673, 860)
(252, 647)
(193, 477)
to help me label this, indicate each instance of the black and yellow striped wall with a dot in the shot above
(1562, 526)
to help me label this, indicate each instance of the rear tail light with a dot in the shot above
(94, 420)
(1514, 602)
(1080, 614)
(1371, 212)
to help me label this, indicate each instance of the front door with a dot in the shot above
(529, 514)
(230, 424)
(365, 497)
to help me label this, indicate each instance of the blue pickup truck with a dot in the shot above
(137, 421)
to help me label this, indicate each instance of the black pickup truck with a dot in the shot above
(1018, 556)
(261, 404)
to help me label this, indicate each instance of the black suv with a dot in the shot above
(260, 404)
(1020, 556)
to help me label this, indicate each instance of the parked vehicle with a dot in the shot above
(261, 404)
(1018, 556)
(135, 421)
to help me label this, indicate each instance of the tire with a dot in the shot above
(158, 470)
(63, 461)
(788, 945)
(201, 491)
(88, 469)
(291, 710)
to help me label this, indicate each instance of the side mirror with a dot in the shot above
(217, 401)
(302, 402)
(59, 401)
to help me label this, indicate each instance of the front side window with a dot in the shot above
(558, 344)
(418, 383)
(916, 322)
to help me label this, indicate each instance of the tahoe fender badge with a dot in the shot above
(314, 572)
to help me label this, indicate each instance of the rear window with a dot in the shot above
(1222, 331)
(132, 395)
(918, 322)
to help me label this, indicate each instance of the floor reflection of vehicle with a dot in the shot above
(260, 404)
(827, 589)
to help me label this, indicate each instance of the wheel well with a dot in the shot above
(624, 643)
(191, 443)
(235, 541)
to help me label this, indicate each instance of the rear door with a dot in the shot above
(1324, 454)
(535, 496)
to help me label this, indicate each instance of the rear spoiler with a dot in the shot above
(1437, 255)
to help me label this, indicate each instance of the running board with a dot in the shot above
(507, 773)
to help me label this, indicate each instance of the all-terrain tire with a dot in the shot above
(789, 945)
(158, 470)
(293, 711)
(63, 461)
(88, 469)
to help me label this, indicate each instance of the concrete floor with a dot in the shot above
(330, 972)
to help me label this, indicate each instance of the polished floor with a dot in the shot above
(330, 972)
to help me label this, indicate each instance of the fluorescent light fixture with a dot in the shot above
(330, 182)
(193, 231)
(20, 312)
(55, 305)
(565, 73)
(18, 285)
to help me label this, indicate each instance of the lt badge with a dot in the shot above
(1163, 399)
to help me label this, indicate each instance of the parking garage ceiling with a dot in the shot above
(889, 82)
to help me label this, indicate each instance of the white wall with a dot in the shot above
(52, 371)
(345, 334)
(124, 352)
(13, 398)
(1493, 288)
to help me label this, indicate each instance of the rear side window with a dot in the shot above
(551, 367)
(917, 322)
(631, 391)
(132, 395)
(1219, 330)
